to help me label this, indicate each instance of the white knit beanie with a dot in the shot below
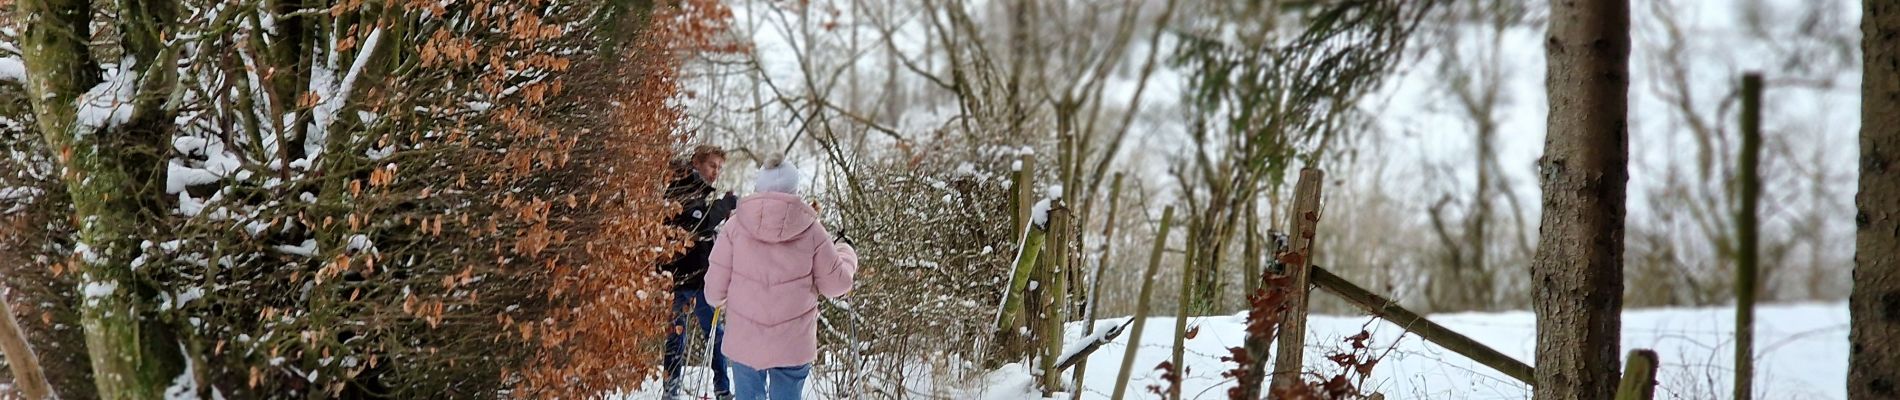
(777, 176)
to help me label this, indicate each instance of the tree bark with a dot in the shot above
(1577, 274)
(112, 177)
(1874, 356)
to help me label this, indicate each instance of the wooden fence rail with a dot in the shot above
(1390, 311)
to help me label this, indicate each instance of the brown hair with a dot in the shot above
(707, 151)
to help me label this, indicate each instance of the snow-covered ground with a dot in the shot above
(1801, 352)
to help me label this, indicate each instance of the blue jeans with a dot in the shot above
(692, 303)
(783, 383)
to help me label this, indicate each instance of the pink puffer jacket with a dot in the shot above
(768, 268)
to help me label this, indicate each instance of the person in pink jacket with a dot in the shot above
(767, 269)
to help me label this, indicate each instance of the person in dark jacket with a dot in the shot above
(700, 216)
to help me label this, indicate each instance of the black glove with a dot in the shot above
(730, 202)
(841, 237)
(721, 209)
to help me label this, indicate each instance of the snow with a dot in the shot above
(11, 69)
(268, 21)
(185, 386)
(108, 104)
(368, 49)
(1801, 354)
(360, 243)
(1076, 346)
(191, 207)
(86, 254)
(307, 249)
(190, 144)
(329, 101)
(1039, 213)
(1008, 382)
(376, 154)
(190, 294)
(966, 169)
(333, 94)
(95, 290)
(19, 193)
(178, 177)
(182, 173)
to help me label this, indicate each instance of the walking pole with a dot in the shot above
(843, 303)
(855, 367)
(712, 338)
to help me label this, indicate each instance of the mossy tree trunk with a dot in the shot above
(115, 178)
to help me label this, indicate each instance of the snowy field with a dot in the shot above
(1801, 350)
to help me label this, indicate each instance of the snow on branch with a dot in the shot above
(334, 97)
(109, 103)
(7, 40)
(362, 59)
(12, 70)
(1082, 348)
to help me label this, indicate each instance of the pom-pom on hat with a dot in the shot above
(777, 176)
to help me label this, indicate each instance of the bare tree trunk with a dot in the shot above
(1873, 365)
(1577, 274)
(27, 373)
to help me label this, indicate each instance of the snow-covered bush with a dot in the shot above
(936, 243)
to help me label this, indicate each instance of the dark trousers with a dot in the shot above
(690, 305)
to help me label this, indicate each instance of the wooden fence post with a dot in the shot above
(1010, 344)
(1292, 338)
(1054, 294)
(1747, 225)
(1141, 304)
(1639, 376)
(1181, 310)
(1022, 193)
